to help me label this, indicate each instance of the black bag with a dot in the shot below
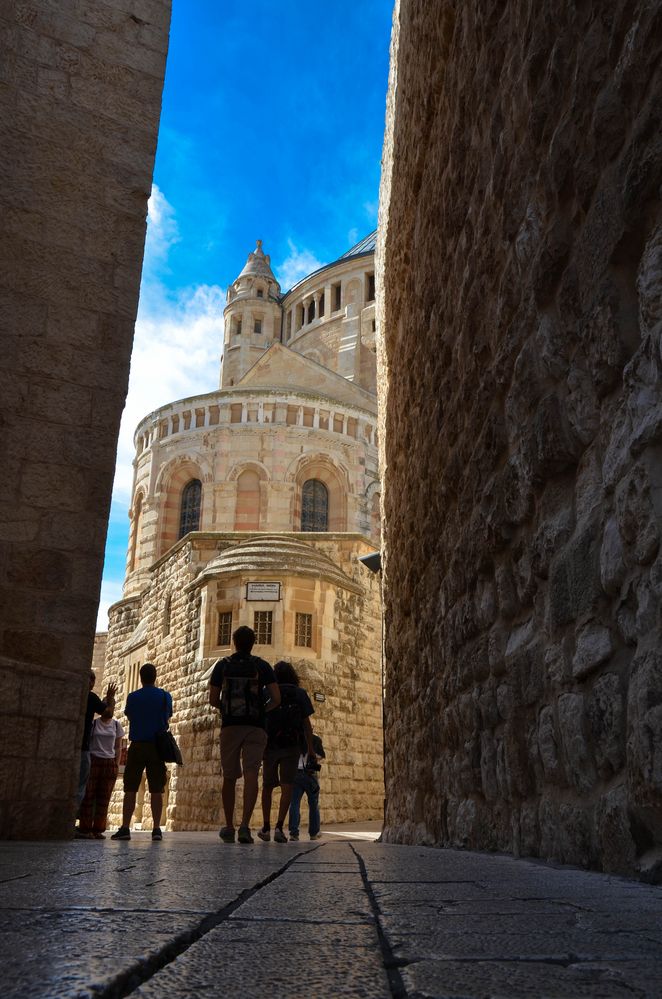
(285, 723)
(241, 692)
(166, 744)
(318, 746)
(167, 748)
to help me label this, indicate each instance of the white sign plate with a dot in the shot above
(263, 591)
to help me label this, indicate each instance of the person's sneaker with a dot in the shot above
(122, 833)
(99, 835)
(79, 834)
(264, 834)
(294, 837)
(157, 834)
(227, 834)
(244, 835)
(316, 836)
(279, 836)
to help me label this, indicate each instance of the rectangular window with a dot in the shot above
(371, 287)
(260, 293)
(237, 327)
(224, 628)
(336, 296)
(303, 630)
(257, 328)
(263, 627)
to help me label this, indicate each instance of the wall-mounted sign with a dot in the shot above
(263, 591)
(319, 697)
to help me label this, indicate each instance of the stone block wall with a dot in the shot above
(80, 96)
(520, 326)
(344, 668)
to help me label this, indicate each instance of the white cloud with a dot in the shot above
(111, 592)
(176, 353)
(177, 345)
(371, 209)
(297, 265)
(352, 237)
(162, 230)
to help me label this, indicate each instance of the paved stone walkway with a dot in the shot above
(340, 917)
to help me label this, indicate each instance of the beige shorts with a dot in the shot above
(242, 749)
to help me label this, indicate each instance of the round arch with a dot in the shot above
(172, 482)
(334, 477)
(136, 528)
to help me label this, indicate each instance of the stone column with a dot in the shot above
(72, 215)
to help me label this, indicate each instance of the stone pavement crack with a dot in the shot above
(389, 960)
(127, 981)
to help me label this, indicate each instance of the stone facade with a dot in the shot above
(520, 292)
(289, 423)
(99, 660)
(80, 99)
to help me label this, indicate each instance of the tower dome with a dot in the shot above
(252, 316)
(258, 263)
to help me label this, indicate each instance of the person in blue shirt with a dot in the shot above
(148, 711)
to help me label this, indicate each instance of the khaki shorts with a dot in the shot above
(280, 765)
(242, 749)
(140, 757)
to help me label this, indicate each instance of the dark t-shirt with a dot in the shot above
(95, 706)
(305, 706)
(265, 675)
(148, 710)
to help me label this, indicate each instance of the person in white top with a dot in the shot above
(105, 751)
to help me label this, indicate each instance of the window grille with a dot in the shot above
(314, 506)
(303, 630)
(224, 628)
(189, 518)
(263, 627)
(258, 326)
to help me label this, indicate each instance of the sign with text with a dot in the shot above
(263, 591)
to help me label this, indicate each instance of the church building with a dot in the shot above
(252, 505)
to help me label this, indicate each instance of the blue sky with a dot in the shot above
(271, 128)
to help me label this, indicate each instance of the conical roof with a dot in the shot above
(258, 264)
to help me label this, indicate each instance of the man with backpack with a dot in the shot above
(290, 733)
(244, 688)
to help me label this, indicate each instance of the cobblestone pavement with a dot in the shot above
(339, 917)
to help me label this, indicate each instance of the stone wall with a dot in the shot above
(343, 667)
(99, 660)
(519, 291)
(80, 97)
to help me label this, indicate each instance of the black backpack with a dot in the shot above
(241, 691)
(285, 723)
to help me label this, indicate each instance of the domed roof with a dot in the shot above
(365, 245)
(277, 555)
(258, 264)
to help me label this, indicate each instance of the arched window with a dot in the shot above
(137, 527)
(314, 506)
(189, 518)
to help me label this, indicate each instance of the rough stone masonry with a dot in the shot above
(520, 278)
(80, 97)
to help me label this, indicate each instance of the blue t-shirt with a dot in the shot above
(148, 711)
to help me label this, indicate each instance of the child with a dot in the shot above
(306, 782)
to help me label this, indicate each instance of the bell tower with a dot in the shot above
(252, 317)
